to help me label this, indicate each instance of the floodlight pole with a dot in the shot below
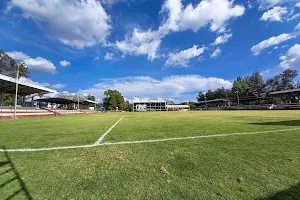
(205, 101)
(16, 94)
(238, 98)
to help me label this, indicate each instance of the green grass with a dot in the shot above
(261, 166)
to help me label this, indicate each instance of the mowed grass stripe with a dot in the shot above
(266, 166)
(54, 131)
(160, 125)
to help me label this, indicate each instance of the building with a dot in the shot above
(157, 105)
(151, 105)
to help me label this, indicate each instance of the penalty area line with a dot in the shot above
(142, 141)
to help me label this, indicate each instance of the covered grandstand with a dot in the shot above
(53, 105)
(8, 86)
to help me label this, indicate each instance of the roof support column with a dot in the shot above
(2, 100)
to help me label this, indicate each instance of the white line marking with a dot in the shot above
(107, 132)
(145, 141)
(196, 137)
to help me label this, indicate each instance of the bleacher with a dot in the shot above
(8, 112)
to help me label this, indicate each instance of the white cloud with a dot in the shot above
(222, 39)
(64, 63)
(96, 58)
(265, 4)
(38, 64)
(216, 53)
(17, 55)
(215, 13)
(182, 58)
(109, 56)
(271, 42)
(275, 14)
(291, 59)
(58, 86)
(140, 43)
(298, 27)
(112, 2)
(148, 87)
(297, 4)
(75, 23)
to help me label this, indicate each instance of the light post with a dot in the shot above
(78, 99)
(205, 101)
(237, 94)
(16, 94)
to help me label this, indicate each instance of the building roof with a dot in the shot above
(149, 101)
(297, 90)
(213, 101)
(178, 106)
(8, 85)
(61, 100)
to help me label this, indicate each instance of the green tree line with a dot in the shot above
(253, 87)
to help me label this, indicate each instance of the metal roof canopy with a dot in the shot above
(8, 85)
(58, 100)
(213, 101)
(293, 91)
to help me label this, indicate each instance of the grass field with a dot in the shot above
(258, 166)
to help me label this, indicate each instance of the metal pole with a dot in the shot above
(16, 97)
(205, 101)
(2, 99)
(237, 93)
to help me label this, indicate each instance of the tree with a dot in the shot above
(242, 86)
(127, 106)
(283, 81)
(210, 95)
(113, 99)
(92, 98)
(220, 93)
(201, 96)
(257, 84)
(9, 67)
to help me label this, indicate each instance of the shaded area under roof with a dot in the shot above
(8, 85)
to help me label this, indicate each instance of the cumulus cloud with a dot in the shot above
(96, 58)
(109, 56)
(148, 87)
(275, 14)
(140, 42)
(272, 41)
(222, 39)
(182, 58)
(17, 55)
(64, 63)
(75, 23)
(214, 13)
(291, 59)
(58, 86)
(38, 64)
(216, 53)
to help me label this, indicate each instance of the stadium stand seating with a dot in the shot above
(8, 112)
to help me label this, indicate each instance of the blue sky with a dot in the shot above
(150, 49)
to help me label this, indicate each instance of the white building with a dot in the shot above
(157, 105)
